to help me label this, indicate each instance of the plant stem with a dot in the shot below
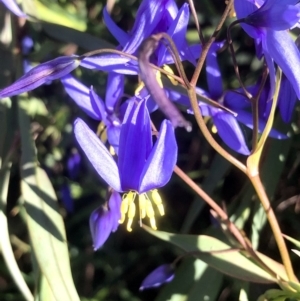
(260, 190)
(243, 241)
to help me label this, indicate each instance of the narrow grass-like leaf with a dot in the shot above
(7, 115)
(219, 255)
(45, 224)
(292, 240)
(5, 245)
(51, 11)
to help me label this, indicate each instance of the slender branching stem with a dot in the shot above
(207, 134)
(235, 64)
(260, 190)
(194, 14)
(244, 242)
(207, 45)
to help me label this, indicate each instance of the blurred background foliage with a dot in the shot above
(116, 271)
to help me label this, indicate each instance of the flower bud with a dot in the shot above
(162, 274)
(40, 74)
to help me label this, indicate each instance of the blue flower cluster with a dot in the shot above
(137, 166)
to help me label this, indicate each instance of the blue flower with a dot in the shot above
(141, 166)
(40, 74)
(110, 111)
(162, 274)
(267, 25)
(152, 17)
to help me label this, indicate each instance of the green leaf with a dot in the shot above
(71, 35)
(44, 222)
(228, 261)
(7, 146)
(194, 281)
(50, 11)
(292, 240)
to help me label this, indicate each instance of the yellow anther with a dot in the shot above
(142, 205)
(139, 88)
(158, 202)
(158, 79)
(112, 150)
(214, 129)
(168, 69)
(128, 199)
(150, 214)
(131, 214)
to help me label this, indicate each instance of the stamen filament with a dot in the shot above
(150, 214)
(142, 205)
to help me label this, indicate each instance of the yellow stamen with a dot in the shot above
(214, 129)
(172, 80)
(112, 150)
(150, 214)
(128, 208)
(128, 198)
(158, 202)
(131, 214)
(142, 205)
(139, 88)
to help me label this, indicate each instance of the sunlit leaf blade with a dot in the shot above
(7, 115)
(241, 267)
(5, 245)
(51, 11)
(45, 292)
(292, 240)
(44, 222)
(193, 281)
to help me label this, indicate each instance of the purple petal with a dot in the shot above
(213, 73)
(111, 63)
(81, 95)
(40, 74)
(113, 136)
(230, 132)
(97, 154)
(272, 74)
(161, 162)
(286, 55)
(275, 14)
(148, 15)
(121, 36)
(114, 204)
(14, 8)
(135, 145)
(247, 119)
(236, 100)
(286, 99)
(177, 32)
(100, 226)
(114, 90)
(98, 106)
(244, 8)
(162, 274)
